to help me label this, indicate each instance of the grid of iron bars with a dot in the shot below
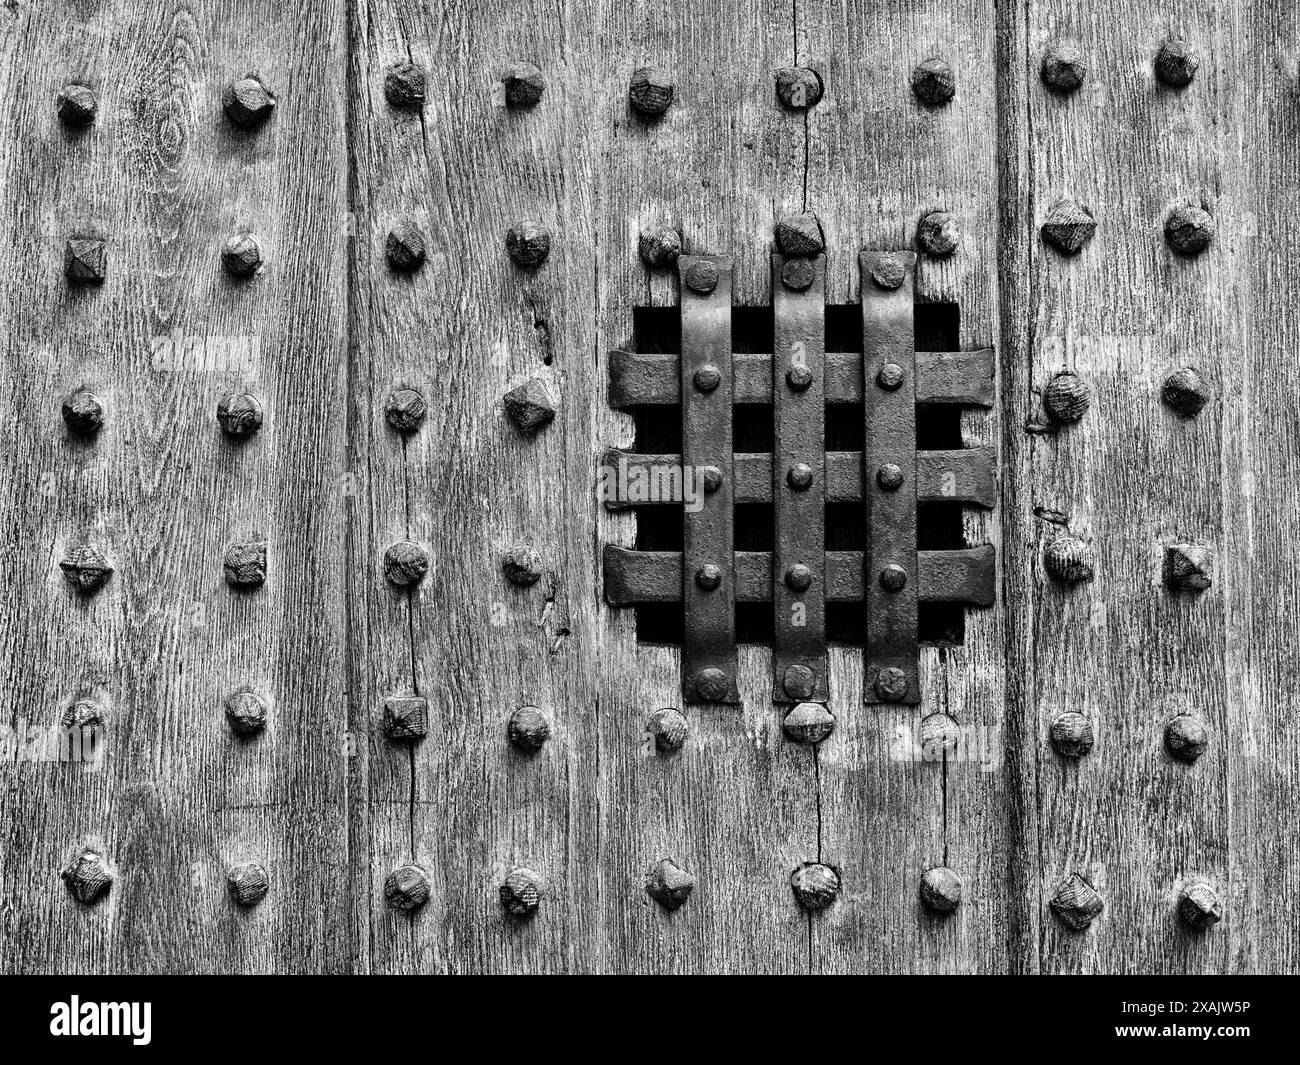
(885, 481)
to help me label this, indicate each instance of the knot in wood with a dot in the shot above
(808, 723)
(798, 88)
(521, 893)
(1069, 560)
(1067, 398)
(933, 82)
(405, 563)
(405, 246)
(528, 244)
(83, 413)
(815, 886)
(1185, 392)
(247, 102)
(940, 890)
(524, 85)
(405, 409)
(246, 711)
(1069, 225)
(76, 105)
(529, 406)
(247, 883)
(669, 884)
(88, 876)
(404, 86)
(528, 728)
(668, 726)
(1076, 903)
(406, 888)
(1071, 734)
(1186, 738)
(650, 92)
(939, 234)
(239, 413)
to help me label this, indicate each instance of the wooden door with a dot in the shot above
(487, 731)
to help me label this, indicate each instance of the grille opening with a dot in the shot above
(659, 431)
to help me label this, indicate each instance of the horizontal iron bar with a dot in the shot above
(954, 377)
(965, 575)
(966, 475)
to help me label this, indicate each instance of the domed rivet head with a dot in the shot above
(890, 377)
(815, 886)
(82, 714)
(528, 244)
(808, 723)
(1071, 734)
(933, 82)
(1187, 568)
(76, 105)
(888, 272)
(1076, 903)
(799, 682)
(702, 277)
(247, 883)
(1185, 392)
(1176, 63)
(800, 234)
(247, 102)
(893, 578)
(83, 413)
(939, 234)
(940, 735)
(406, 717)
(940, 890)
(241, 255)
(668, 726)
(405, 563)
(406, 888)
(239, 413)
(712, 685)
(522, 566)
(650, 91)
(1068, 560)
(891, 684)
(798, 88)
(524, 84)
(1186, 738)
(245, 711)
(797, 274)
(245, 564)
(1189, 229)
(890, 477)
(405, 409)
(1069, 225)
(529, 406)
(85, 568)
(405, 246)
(707, 377)
(708, 577)
(659, 244)
(88, 876)
(1063, 68)
(798, 578)
(1067, 398)
(528, 728)
(799, 477)
(799, 378)
(85, 260)
(521, 893)
(668, 883)
(1199, 906)
(404, 86)
(712, 479)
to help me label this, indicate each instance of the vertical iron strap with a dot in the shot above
(889, 482)
(708, 548)
(799, 658)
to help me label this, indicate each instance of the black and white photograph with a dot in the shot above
(637, 488)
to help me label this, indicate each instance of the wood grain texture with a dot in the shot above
(163, 177)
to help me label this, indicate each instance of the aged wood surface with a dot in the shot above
(329, 803)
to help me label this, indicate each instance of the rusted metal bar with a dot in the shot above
(797, 480)
(966, 475)
(707, 575)
(964, 575)
(945, 377)
(889, 496)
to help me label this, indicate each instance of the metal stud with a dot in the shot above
(650, 92)
(241, 255)
(893, 578)
(702, 277)
(85, 259)
(522, 565)
(1071, 734)
(939, 234)
(521, 892)
(245, 564)
(247, 102)
(808, 723)
(528, 243)
(528, 728)
(1076, 903)
(85, 568)
(405, 246)
(890, 477)
(405, 563)
(1186, 738)
(1199, 906)
(708, 577)
(1069, 560)
(76, 105)
(88, 876)
(404, 85)
(891, 685)
(933, 82)
(800, 234)
(940, 890)
(799, 477)
(798, 578)
(1185, 392)
(659, 244)
(890, 377)
(707, 377)
(83, 413)
(799, 378)
(524, 85)
(405, 410)
(530, 406)
(712, 685)
(1176, 63)
(239, 413)
(406, 888)
(245, 711)
(669, 884)
(798, 88)
(1063, 68)
(406, 717)
(799, 682)
(1189, 229)
(1067, 398)
(1069, 225)
(798, 274)
(815, 886)
(668, 726)
(84, 713)
(247, 883)
(889, 272)
(1187, 568)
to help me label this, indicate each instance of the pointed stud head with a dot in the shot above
(669, 884)
(404, 86)
(76, 105)
(1186, 738)
(406, 717)
(524, 85)
(247, 883)
(88, 876)
(1076, 903)
(1189, 229)
(245, 711)
(800, 234)
(245, 564)
(528, 728)
(1185, 392)
(406, 888)
(528, 243)
(1069, 560)
(1176, 63)
(84, 713)
(85, 260)
(1187, 568)
(808, 723)
(247, 102)
(1199, 906)
(85, 568)
(1063, 68)
(1067, 398)
(529, 406)
(650, 91)
(815, 886)
(933, 82)
(241, 255)
(405, 246)
(83, 413)
(405, 409)
(659, 244)
(1071, 734)
(1069, 225)
(522, 565)
(939, 234)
